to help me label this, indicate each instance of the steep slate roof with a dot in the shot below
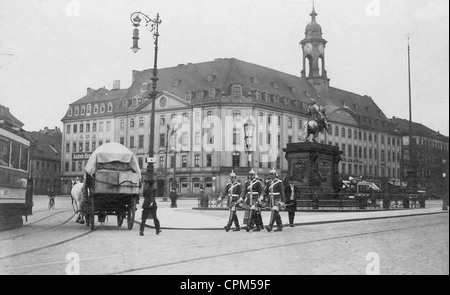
(48, 147)
(230, 71)
(9, 118)
(402, 125)
(99, 96)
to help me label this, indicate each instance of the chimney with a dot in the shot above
(134, 75)
(116, 84)
(90, 91)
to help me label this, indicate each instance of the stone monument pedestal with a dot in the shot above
(313, 168)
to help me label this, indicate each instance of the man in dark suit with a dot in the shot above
(291, 194)
(149, 207)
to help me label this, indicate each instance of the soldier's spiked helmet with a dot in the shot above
(232, 174)
(273, 172)
(252, 172)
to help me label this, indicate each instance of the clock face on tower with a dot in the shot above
(308, 47)
(321, 48)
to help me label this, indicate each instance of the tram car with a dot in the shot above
(112, 181)
(16, 185)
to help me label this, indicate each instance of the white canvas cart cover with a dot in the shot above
(111, 152)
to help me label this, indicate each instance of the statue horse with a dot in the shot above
(314, 127)
(78, 198)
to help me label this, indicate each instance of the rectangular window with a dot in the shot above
(197, 161)
(162, 139)
(94, 127)
(289, 139)
(74, 147)
(80, 146)
(161, 161)
(382, 139)
(343, 150)
(279, 140)
(356, 152)
(349, 133)
(81, 127)
(87, 146)
(66, 166)
(68, 129)
(100, 127)
(236, 161)
(108, 125)
(375, 153)
(141, 121)
(278, 163)
(336, 131)
(197, 117)
(75, 126)
(370, 136)
(141, 141)
(140, 162)
(289, 122)
(80, 165)
(236, 136)
(359, 135)
(73, 166)
(349, 150)
(185, 138)
(355, 134)
(100, 142)
(68, 147)
(365, 153)
(88, 127)
(269, 138)
(197, 138)
(122, 140)
(209, 160)
(343, 132)
(93, 146)
(360, 152)
(162, 120)
(131, 142)
(300, 124)
(184, 161)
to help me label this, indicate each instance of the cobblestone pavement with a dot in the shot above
(407, 245)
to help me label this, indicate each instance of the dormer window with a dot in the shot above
(134, 102)
(188, 96)
(355, 106)
(254, 80)
(293, 89)
(124, 103)
(200, 94)
(236, 91)
(212, 93)
(275, 85)
(88, 109)
(258, 95)
(267, 97)
(176, 83)
(83, 110)
(69, 113)
(210, 78)
(110, 107)
(276, 98)
(344, 104)
(144, 86)
(96, 109)
(102, 108)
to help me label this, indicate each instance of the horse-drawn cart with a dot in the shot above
(112, 182)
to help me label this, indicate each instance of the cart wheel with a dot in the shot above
(131, 213)
(92, 214)
(120, 219)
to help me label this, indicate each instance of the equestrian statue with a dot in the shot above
(316, 123)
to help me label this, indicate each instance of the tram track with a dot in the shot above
(201, 245)
(43, 230)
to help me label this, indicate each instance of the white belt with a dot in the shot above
(274, 194)
(234, 195)
(253, 193)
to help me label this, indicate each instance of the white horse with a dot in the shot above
(78, 197)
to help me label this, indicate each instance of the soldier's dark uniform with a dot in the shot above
(233, 192)
(149, 207)
(252, 190)
(274, 192)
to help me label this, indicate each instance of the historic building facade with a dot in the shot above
(46, 160)
(425, 158)
(201, 110)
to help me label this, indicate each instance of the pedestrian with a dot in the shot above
(275, 193)
(251, 193)
(173, 197)
(233, 191)
(292, 194)
(149, 207)
(204, 198)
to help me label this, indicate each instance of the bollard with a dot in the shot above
(406, 202)
(445, 202)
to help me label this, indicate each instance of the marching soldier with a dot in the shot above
(251, 192)
(275, 193)
(233, 191)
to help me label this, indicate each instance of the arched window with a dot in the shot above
(236, 115)
(236, 91)
(77, 111)
(320, 64)
(267, 97)
(134, 102)
(69, 113)
(110, 107)
(132, 122)
(88, 109)
(261, 117)
(236, 159)
(209, 116)
(269, 119)
(95, 108)
(102, 108)
(308, 66)
(83, 110)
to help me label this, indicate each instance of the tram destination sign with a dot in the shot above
(81, 156)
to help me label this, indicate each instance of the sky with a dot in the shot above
(51, 51)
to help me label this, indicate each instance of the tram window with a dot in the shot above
(24, 159)
(4, 152)
(15, 155)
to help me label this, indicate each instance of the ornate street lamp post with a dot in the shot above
(248, 130)
(154, 25)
